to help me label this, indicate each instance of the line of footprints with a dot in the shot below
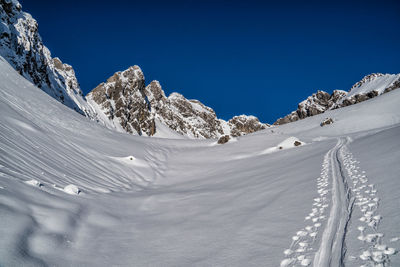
(300, 251)
(375, 252)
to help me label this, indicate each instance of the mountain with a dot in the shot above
(22, 46)
(369, 87)
(74, 193)
(126, 104)
(123, 103)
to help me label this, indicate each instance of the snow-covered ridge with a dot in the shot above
(128, 105)
(22, 46)
(369, 87)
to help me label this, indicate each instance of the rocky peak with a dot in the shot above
(315, 104)
(155, 94)
(369, 87)
(137, 109)
(368, 78)
(123, 101)
(22, 46)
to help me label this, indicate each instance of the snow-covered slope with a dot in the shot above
(22, 46)
(369, 87)
(73, 193)
(125, 103)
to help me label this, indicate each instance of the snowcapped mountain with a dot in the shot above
(369, 87)
(22, 46)
(128, 105)
(122, 103)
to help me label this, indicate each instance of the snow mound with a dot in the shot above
(34, 182)
(287, 143)
(72, 189)
(290, 142)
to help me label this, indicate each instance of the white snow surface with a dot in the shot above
(164, 202)
(376, 81)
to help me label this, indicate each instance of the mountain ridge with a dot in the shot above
(128, 103)
(368, 87)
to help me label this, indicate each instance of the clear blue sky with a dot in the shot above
(238, 57)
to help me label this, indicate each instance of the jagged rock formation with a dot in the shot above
(123, 101)
(187, 117)
(369, 87)
(137, 109)
(243, 124)
(22, 46)
(315, 104)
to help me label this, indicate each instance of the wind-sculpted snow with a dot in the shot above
(73, 193)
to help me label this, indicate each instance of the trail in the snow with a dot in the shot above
(349, 188)
(300, 251)
(374, 251)
(333, 248)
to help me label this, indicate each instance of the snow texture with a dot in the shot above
(168, 202)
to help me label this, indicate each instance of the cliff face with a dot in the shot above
(138, 109)
(123, 101)
(22, 46)
(369, 87)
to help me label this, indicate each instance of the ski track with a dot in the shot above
(349, 188)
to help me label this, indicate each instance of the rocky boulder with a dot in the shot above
(223, 139)
(326, 121)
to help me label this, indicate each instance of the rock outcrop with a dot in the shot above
(122, 98)
(242, 125)
(315, 104)
(223, 139)
(22, 46)
(326, 121)
(138, 109)
(369, 87)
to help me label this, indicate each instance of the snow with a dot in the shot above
(169, 202)
(72, 189)
(378, 82)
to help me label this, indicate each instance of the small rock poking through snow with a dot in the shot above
(72, 189)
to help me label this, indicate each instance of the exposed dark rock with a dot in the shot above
(316, 104)
(223, 139)
(123, 98)
(395, 85)
(326, 122)
(297, 143)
